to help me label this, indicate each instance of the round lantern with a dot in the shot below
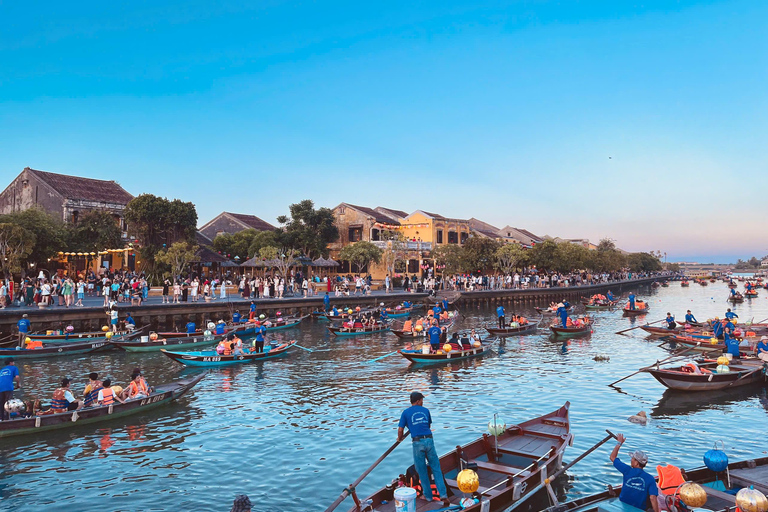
(751, 500)
(693, 495)
(477, 344)
(722, 360)
(69, 328)
(15, 405)
(723, 368)
(262, 316)
(418, 328)
(109, 335)
(27, 340)
(496, 427)
(716, 460)
(468, 481)
(104, 328)
(447, 347)
(211, 325)
(153, 336)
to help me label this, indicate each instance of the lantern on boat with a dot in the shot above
(468, 481)
(153, 336)
(439, 352)
(496, 427)
(207, 333)
(349, 311)
(723, 368)
(693, 495)
(357, 308)
(447, 347)
(109, 335)
(716, 460)
(477, 344)
(713, 341)
(262, 316)
(418, 328)
(279, 313)
(104, 328)
(751, 500)
(211, 325)
(27, 340)
(69, 328)
(15, 405)
(722, 360)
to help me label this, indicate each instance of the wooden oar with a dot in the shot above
(351, 489)
(550, 479)
(639, 326)
(678, 354)
(382, 357)
(759, 368)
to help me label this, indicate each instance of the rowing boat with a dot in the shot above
(56, 350)
(550, 311)
(513, 331)
(692, 324)
(600, 307)
(635, 312)
(357, 331)
(705, 344)
(685, 283)
(741, 474)
(76, 337)
(161, 343)
(162, 395)
(249, 328)
(419, 357)
(511, 468)
(660, 331)
(736, 299)
(570, 332)
(706, 377)
(423, 333)
(212, 358)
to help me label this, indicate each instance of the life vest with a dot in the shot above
(108, 395)
(670, 478)
(569, 322)
(58, 402)
(412, 481)
(134, 389)
(93, 394)
(522, 320)
(408, 326)
(227, 349)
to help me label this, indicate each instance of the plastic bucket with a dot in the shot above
(729, 356)
(405, 499)
(145, 339)
(425, 349)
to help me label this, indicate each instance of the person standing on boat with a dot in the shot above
(433, 333)
(252, 311)
(610, 296)
(8, 375)
(730, 315)
(502, 316)
(639, 488)
(445, 304)
(731, 343)
(671, 324)
(419, 422)
(258, 343)
(689, 318)
(563, 314)
(23, 326)
(631, 301)
(327, 302)
(717, 328)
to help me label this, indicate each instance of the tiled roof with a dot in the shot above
(252, 221)
(433, 215)
(392, 213)
(75, 187)
(529, 234)
(201, 239)
(204, 254)
(377, 216)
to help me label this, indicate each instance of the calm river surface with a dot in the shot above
(292, 433)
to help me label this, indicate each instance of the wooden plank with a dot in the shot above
(482, 490)
(729, 498)
(746, 482)
(501, 468)
(520, 453)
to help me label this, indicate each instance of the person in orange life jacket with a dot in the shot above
(106, 395)
(92, 389)
(639, 487)
(258, 342)
(419, 422)
(138, 388)
(63, 400)
(8, 375)
(237, 346)
(408, 325)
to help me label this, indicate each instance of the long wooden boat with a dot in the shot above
(705, 344)
(692, 324)
(248, 328)
(685, 283)
(418, 357)
(661, 331)
(402, 312)
(513, 331)
(703, 282)
(549, 311)
(750, 295)
(57, 350)
(76, 337)
(686, 378)
(570, 332)
(510, 470)
(736, 299)
(358, 331)
(732, 285)
(745, 473)
(423, 333)
(174, 343)
(323, 315)
(635, 312)
(162, 395)
(211, 358)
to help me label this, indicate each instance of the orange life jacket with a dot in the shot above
(108, 395)
(227, 349)
(670, 478)
(58, 402)
(408, 326)
(134, 389)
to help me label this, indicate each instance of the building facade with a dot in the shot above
(231, 223)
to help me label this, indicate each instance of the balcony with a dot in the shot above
(411, 246)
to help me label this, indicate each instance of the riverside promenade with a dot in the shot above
(159, 316)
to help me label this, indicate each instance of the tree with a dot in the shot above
(50, 233)
(244, 244)
(96, 230)
(361, 254)
(395, 251)
(309, 230)
(608, 258)
(570, 256)
(508, 257)
(177, 256)
(643, 262)
(16, 243)
(544, 255)
(450, 256)
(479, 253)
(283, 258)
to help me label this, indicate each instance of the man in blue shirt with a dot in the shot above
(689, 318)
(717, 328)
(639, 488)
(130, 323)
(730, 315)
(731, 343)
(434, 336)
(563, 314)
(671, 324)
(220, 327)
(236, 317)
(733, 292)
(327, 302)
(610, 296)
(334, 311)
(252, 311)
(258, 343)
(762, 349)
(383, 316)
(502, 316)
(419, 422)
(631, 301)
(436, 310)
(23, 326)
(445, 304)
(191, 327)
(8, 375)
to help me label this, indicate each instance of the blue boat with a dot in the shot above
(419, 357)
(212, 358)
(249, 328)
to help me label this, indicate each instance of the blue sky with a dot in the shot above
(644, 122)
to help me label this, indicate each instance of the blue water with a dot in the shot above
(292, 433)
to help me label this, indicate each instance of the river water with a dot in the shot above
(292, 433)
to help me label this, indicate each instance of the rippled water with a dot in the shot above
(292, 433)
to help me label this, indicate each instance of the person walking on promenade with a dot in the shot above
(419, 422)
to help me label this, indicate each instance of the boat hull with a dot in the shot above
(56, 350)
(212, 359)
(570, 332)
(513, 331)
(682, 381)
(417, 357)
(174, 343)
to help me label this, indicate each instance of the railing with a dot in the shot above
(411, 246)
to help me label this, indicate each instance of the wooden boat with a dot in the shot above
(322, 315)
(736, 299)
(513, 331)
(548, 311)
(665, 284)
(358, 331)
(705, 377)
(211, 358)
(423, 333)
(655, 284)
(753, 472)
(419, 357)
(600, 307)
(732, 285)
(162, 343)
(750, 295)
(702, 282)
(569, 332)
(249, 328)
(57, 350)
(510, 470)
(702, 343)
(635, 312)
(661, 331)
(162, 395)
(76, 337)
(685, 283)
(692, 324)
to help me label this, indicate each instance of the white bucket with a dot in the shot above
(145, 339)
(425, 349)
(729, 356)
(405, 499)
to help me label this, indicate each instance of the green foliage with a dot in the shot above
(608, 257)
(643, 262)
(508, 257)
(396, 250)
(570, 256)
(543, 255)
(50, 233)
(177, 257)
(16, 244)
(284, 258)
(245, 244)
(308, 230)
(751, 264)
(451, 255)
(95, 231)
(361, 254)
(479, 253)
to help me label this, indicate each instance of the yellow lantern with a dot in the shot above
(28, 340)
(418, 328)
(477, 344)
(693, 495)
(109, 335)
(447, 347)
(751, 500)
(713, 341)
(468, 481)
(105, 328)
(722, 360)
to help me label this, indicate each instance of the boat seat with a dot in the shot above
(519, 453)
(729, 498)
(746, 482)
(452, 484)
(501, 468)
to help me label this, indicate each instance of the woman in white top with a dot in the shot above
(195, 288)
(223, 291)
(45, 291)
(267, 284)
(281, 288)
(176, 291)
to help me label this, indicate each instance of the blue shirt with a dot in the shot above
(326, 300)
(436, 311)
(717, 329)
(637, 486)
(7, 374)
(690, 318)
(762, 346)
(236, 317)
(445, 305)
(417, 419)
(732, 346)
(23, 325)
(335, 311)
(219, 328)
(632, 298)
(730, 314)
(383, 315)
(500, 311)
(260, 332)
(610, 296)
(253, 308)
(130, 320)
(190, 327)
(434, 335)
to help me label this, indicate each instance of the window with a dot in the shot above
(439, 236)
(75, 216)
(355, 234)
(464, 237)
(413, 266)
(375, 235)
(342, 210)
(453, 237)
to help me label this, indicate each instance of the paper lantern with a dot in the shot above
(153, 336)
(693, 495)
(477, 344)
(104, 328)
(716, 460)
(468, 481)
(751, 500)
(496, 427)
(723, 368)
(109, 335)
(447, 347)
(722, 360)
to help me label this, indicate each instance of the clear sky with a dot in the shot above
(644, 121)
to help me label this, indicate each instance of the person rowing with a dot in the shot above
(562, 312)
(689, 318)
(671, 324)
(610, 296)
(434, 334)
(631, 301)
(730, 315)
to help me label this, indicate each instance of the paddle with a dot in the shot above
(351, 489)
(303, 348)
(639, 326)
(678, 354)
(550, 479)
(382, 357)
(759, 368)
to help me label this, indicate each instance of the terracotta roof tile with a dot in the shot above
(75, 187)
(252, 221)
